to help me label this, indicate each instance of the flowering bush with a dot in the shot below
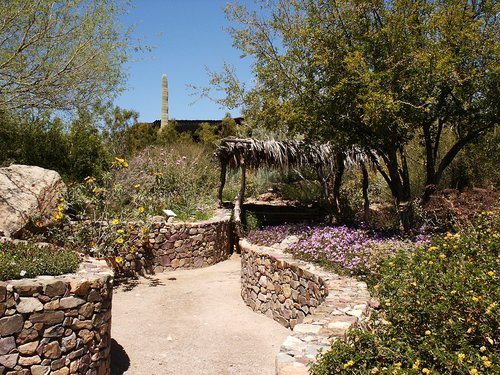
(18, 260)
(439, 311)
(346, 250)
(180, 178)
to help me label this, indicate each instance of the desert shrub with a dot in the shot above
(75, 149)
(18, 260)
(180, 177)
(439, 311)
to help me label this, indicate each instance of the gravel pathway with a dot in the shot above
(191, 322)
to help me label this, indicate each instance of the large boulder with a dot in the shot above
(27, 192)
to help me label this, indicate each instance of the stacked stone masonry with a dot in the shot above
(57, 325)
(164, 245)
(318, 306)
(191, 245)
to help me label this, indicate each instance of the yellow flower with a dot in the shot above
(491, 273)
(58, 216)
(482, 349)
(374, 370)
(119, 160)
(119, 231)
(475, 299)
(137, 186)
(119, 240)
(125, 164)
(461, 357)
(115, 221)
(398, 364)
(391, 264)
(89, 179)
(473, 371)
(430, 262)
(432, 248)
(425, 370)
(428, 332)
(91, 243)
(377, 286)
(349, 364)
(416, 365)
(119, 259)
(140, 209)
(442, 256)
(61, 199)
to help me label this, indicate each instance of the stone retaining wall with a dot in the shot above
(58, 325)
(166, 245)
(191, 245)
(322, 305)
(274, 286)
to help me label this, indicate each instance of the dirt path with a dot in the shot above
(191, 322)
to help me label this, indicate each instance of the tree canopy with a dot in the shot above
(373, 73)
(61, 54)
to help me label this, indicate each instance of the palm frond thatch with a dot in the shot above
(273, 154)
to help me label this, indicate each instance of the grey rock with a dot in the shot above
(70, 302)
(11, 324)
(27, 191)
(7, 344)
(28, 305)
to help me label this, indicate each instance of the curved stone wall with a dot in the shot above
(318, 306)
(58, 325)
(171, 245)
(191, 245)
(278, 287)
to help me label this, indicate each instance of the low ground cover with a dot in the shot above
(18, 260)
(346, 250)
(439, 310)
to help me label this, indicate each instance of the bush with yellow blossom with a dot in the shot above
(439, 311)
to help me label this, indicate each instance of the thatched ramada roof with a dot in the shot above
(234, 152)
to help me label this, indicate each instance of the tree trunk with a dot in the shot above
(397, 177)
(337, 183)
(366, 199)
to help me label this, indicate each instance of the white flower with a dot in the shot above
(22, 273)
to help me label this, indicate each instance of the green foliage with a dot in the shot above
(179, 177)
(207, 134)
(439, 311)
(375, 74)
(18, 260)
(63, 55)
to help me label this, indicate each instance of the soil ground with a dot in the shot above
(191, 322)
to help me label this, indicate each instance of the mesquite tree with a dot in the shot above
(61, 54)
(377, 74)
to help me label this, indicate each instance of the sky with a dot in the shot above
(187, 37)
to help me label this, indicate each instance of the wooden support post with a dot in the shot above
(222, 182)
(239, 203)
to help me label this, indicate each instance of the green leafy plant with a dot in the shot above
(439, 311)
(18, 260)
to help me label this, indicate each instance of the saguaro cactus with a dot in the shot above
(164, 101)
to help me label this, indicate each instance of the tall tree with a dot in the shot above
(376, 74)
(61, 54)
